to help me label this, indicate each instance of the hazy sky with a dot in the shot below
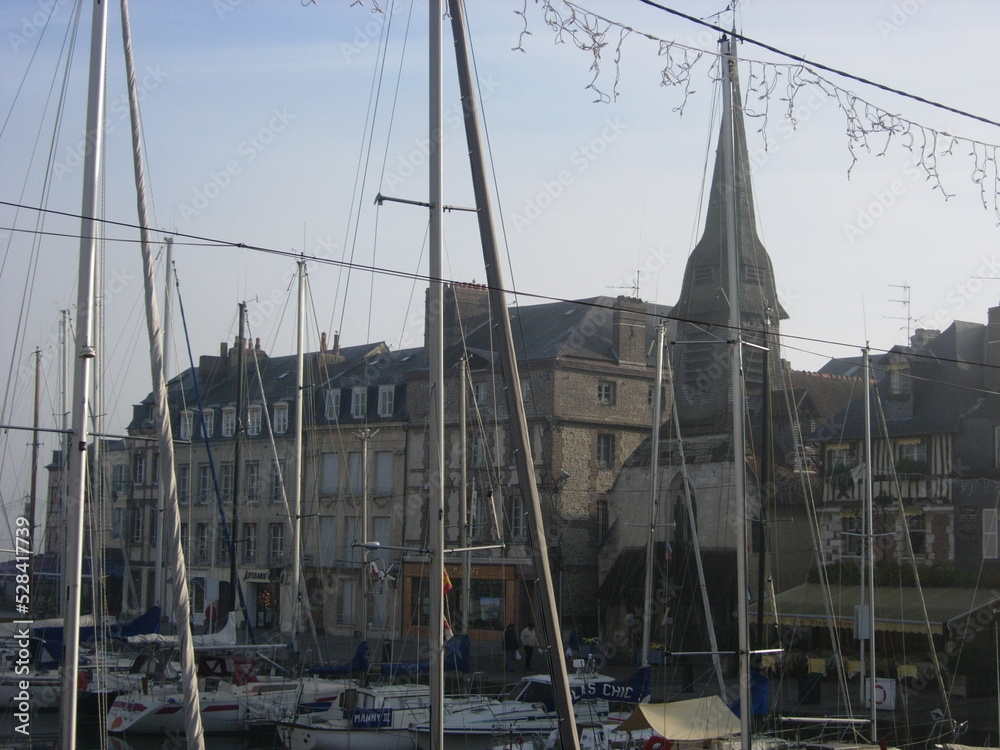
(276, 124)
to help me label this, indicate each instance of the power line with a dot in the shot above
(199, 240)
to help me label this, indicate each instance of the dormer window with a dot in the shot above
(254, 419)
(280, 419)
(359, 402)
(208, 422)
(332, 405)
(228, 421)
(187, 419)
(386, 400)
(899, 380)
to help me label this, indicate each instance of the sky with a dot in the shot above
(275, 124)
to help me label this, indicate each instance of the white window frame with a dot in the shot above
(184, 429)
(480, 393)
(254, 419)
(383, 473)
(280, 418)
(251, 480)
(359, 402)
(332, 404)
(183, 483)
(205, 485)
(605, 450)
(228, 421)
(226, 477)
(137, 524)
(208, 422)
(279, 470)
(386, 400)
(139, 469)
(275, 544)
(249, 543)
(606, 392)
(203, 540)
(221, 548)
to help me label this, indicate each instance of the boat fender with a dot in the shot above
(656, 742)
(82, 681)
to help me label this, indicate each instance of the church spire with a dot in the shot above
(701, 387)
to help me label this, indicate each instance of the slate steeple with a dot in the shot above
(701, 356)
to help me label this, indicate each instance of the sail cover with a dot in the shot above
(693, 720)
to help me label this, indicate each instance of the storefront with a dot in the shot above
(263, 597)
(492, 602)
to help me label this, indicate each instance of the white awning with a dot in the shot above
(698, 719)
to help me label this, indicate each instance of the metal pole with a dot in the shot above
(654, 498)
(463, 511)
(297, 468)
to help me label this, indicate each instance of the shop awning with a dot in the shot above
(897, 609)
(694, 720)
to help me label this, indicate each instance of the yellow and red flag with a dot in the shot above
(447, 582)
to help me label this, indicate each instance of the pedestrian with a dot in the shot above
(211, 616)
(510, 646)
(530, 642)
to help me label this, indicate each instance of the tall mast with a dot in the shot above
(160, 594)
(736, 381)
(237, 456)
(463, 510)
(297, 467)
(868, 561)
(520, 441)
(435, 339)
(82, 371)
(33, 497)
(170, 519)
(64, 443)
(654, 496)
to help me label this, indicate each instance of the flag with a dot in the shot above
(447, 582)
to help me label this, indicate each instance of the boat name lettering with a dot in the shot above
(371, 718)
(257, 575)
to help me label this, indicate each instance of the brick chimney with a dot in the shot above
(628, 331)
(466, 306)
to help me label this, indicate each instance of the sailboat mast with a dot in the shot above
(170, 520)
(435, 341)
(520, 442)
(297, 459)
(33, 492)
(237, 456)
(736, 376)
(64, 443)
(869, 537)
(463, 510)
(82, 372)
(654, 499)
(160, 596)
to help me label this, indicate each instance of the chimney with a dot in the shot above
(923, 336)
(628, 331)
(991, 373)
(466, 307)
(256, 343)
(322, 343)
(336, 342)
(223, 349)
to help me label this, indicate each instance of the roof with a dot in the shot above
(900, 610)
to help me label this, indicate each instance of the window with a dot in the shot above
(348, 590)
(990, 535)
(221, 547)
(183, 483)
(382, 530)
(605, 451)
(228, 421)
(226, 470)
(276, 544)
(139, 469)
(916, 525)
(252, 480)
(330, 474)
(602, 519)
(899, 380)
(518, 522)
(663, 395)
(702, 275)
(839, 455)
(153, 518)
(354, 472)
(249, 541)
(352, 536)
(202, 541)
(479, 393)
(701, 365)
(332, 404)
(477, 452)
(280, 419)
(277, 480)
(386, 400)
(606, 393)
(137, 525)
(913, 451)
(208, 423)
(205, 485)
(254, 419)
(525, 389)
(187, 419)
(327, 537)
(118, 523)
(383, 472)
(852, 537)
(119, 477)
(185, 538)
(156, 468)
(359, 402)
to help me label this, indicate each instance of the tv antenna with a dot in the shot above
(906, 304)
(634, 286)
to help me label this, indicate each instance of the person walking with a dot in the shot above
(510, 646)
(529, 640)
